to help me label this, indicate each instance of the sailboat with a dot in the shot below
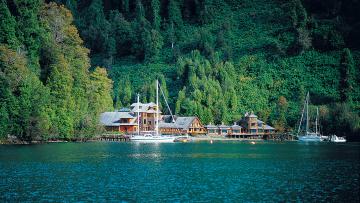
(308, 135)
(155, 137)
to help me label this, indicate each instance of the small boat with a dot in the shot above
(182, 139)
(334, 138)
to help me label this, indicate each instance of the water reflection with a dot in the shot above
(137, 172)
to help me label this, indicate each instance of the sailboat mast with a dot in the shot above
(157, 108)
(138, 112)
(307, 113)
(316, 121)
(302, 116)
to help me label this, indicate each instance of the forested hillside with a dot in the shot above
(46, 89)
(217, 59)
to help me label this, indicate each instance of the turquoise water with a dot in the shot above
(180, 172)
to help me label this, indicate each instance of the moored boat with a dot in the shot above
(308, 135)
(334, 138)
(155, 137)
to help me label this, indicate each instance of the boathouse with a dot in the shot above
(119, 121)
(181, 125)
(248, 127)
(212, 130)
(125, 120)
(224, 129)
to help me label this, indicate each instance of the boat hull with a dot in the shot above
(335, 138)
(310, 138)
(153, 139)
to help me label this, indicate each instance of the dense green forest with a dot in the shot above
(216, 59)
(46, 89)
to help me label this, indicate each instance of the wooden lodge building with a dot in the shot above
(125, 121)
(181, 125)
(249, 127)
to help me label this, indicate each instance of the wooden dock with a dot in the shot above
(112, 138)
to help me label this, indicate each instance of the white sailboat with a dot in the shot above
(308, 135)
(152, 137)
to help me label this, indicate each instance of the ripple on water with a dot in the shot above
(220, 172)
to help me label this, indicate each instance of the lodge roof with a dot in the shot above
(267, 127)
(144, 107)
(236, 126)
(113, 118)
(180, 123)
(223, 126)
(211, 126)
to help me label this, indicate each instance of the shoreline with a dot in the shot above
(96, 139)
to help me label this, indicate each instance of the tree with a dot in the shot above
(29, 30)
(60, 83)
(153, 45)
(347, 75)
(125, 93)
(100, 89)
(7, 26)
(174, 13)
(155, 16)
(121, 31)
(281, 109)
(4, 121)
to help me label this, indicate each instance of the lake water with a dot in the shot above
(180, 172)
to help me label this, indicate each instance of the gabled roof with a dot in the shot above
(223, 126)
(180, 123)
(235, 126)
(267, 127)
(211, 126)
(143, 108)
(113, 118)
(184, 122)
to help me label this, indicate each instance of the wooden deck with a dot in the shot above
(112, 138)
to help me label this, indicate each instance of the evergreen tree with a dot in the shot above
(29, 30)
(7, 26)
(174, 13)
(281, 109)
(4, 121)
(100, 97)
(156, 19)
(347, 75)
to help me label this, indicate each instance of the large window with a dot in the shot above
(223, 131)
(253, 131)
(236, 131)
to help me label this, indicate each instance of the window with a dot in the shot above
(253, 131)
(149, 122)
(261, 130)
(211, 131)
(224, 131)
(236, 131)
(144, 121)
(253, 124)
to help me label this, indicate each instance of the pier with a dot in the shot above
(108, 137)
